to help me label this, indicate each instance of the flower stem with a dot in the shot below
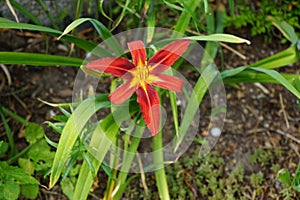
(160, 174)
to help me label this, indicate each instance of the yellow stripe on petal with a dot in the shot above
(138, 52)
(149, 101)
(168, 82)
(122, 93)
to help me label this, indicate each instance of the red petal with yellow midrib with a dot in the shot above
(169, 82)
(138, 52)
(122, 93)
(166, 57)
(115, 66)
(148, 99)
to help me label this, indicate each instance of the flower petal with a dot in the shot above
(168, 82)
(165, 57)
(138, 52)
(122, 93)
(116, 66)
(149, 102)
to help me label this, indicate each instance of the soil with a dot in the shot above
(258, 116)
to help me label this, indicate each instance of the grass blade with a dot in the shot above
(100, 7)
(150, 20)
(184, 19)
(123, 13)
(13, 149)
(44, 7)
(27, 13)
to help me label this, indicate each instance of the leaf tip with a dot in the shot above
(247, 41)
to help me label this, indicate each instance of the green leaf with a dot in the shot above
(17, 174)
(13, 149)
(173, 6)
(102, 10)
(84, 44)
(71, 131)
(26, 12)
(212, 47)
(184, 19)
(67, 187)
(284, 177)
(30, 191)
(220, 17)
(297, 83)
(104, 33)
(89, 163)
(277, 76)
(107, 170)
(123, 13)
(33, 132)
(285, 57)
(174, 111)
(27, 165)
(123, 186)
(251, 76)
(41, 155)
(65, 112)
(99, 146)
(3, 147)
(50, 142)
(151, 15)
(296, 180)
(206, 78)
(128, 156)
(11, 190)
(37, 59)
(57, 126)
(158, 161)
(72, 26)
(219, 37)
(286, 29)
(191, 11)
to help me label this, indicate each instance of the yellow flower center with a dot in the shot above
(141, 75)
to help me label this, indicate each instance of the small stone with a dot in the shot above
(216, 132)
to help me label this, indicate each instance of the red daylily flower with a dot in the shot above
(141, 74)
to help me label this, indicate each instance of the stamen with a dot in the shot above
(142, 74)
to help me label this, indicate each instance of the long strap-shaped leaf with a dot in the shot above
(85, 45)
(104, 33)
(201, 87)
(251, 76)
(99, 146)
(285, 57)
(184, 19)
(38, 59)
(277, 76)
(71, 131)
(128, 157)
